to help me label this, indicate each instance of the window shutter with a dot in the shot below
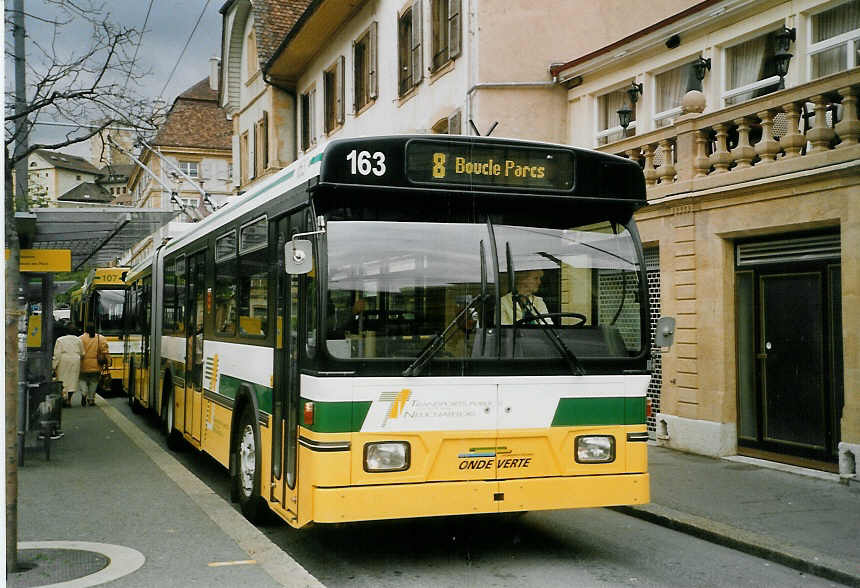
(251, 144)
(417, 62)
(312, 128)
(264, 128)
(372, 83)
(340, 81)
(453, 28)
(454, 124)
(236, 165)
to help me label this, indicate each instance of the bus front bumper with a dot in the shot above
(360, 503)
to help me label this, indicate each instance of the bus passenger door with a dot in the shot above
(285, 401)
(194, 345)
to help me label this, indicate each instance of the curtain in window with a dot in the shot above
(671, 87)
(827, 25)
(608, 113)
(746, 65)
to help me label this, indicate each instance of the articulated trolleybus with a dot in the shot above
(408, 326)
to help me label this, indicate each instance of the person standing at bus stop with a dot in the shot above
(66, 362)
(95, 356)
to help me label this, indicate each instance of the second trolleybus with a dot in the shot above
(408, 326)
(99, 303)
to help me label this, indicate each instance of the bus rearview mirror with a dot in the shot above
(298, 256)
(664, 333)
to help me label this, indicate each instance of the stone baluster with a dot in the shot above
(702, 163)
(820, 135)
(793, 141)
(633, 154)
(648, 170)
(768, 148)
(721, 157)
(848, 128)
(744, 153)
(666, 172)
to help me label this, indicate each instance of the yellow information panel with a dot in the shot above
(45, 260)
(34, 331)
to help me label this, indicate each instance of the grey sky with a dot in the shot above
(169, 27)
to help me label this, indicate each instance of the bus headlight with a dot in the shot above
(595, 449)
(386, 456)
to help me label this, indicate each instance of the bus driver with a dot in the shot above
(529, 304)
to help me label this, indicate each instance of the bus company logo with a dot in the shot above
(486, 458)
(397, 402)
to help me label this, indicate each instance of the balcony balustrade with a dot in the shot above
(790, 131)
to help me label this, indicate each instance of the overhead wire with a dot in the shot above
(139, 40)
(170, 77)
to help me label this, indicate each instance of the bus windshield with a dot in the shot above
(109, 311)
(394, 287)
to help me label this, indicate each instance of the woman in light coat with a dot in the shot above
(66, 363)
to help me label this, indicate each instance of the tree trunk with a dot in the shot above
(13, 281)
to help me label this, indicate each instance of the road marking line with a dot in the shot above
(241, 562)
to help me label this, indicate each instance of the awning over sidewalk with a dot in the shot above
(96, 236)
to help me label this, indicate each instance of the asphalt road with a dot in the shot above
(590, 547)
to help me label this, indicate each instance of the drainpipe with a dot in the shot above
(504, 85)
(294, 95)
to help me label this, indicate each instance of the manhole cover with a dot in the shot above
(51, 566)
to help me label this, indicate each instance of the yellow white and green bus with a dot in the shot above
(344, 341)
(99, 302)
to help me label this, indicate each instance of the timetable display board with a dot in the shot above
(452, 163)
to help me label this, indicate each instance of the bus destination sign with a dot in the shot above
(499, 166)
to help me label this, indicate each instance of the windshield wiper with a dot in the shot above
(440, 339)
(556, 340)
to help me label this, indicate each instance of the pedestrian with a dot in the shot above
(66, 363)
(95, 356)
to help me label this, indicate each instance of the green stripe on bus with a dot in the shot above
(316, 158)
(338, 417)
(229, 387)
(599, 411)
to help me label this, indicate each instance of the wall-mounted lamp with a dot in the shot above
(701, 66)
(625, 115)
(784, 37)
(634, 91)
(781, 60)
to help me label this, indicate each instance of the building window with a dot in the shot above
(189, 168)
(261, 146)
(446, 31)
(835, 40)
(608, 127)
(308, 106)
(449, 126)
(409, 61)
(243, 158)
(751, 69)
(333, 88)
(364, 68)
(670, 88)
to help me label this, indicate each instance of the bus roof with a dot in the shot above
(489, 164)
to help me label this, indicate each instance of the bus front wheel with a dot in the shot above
(246, 472)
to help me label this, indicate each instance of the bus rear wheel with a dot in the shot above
(246, 472)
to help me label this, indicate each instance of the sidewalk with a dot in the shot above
(110, 494)
(806, 520)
